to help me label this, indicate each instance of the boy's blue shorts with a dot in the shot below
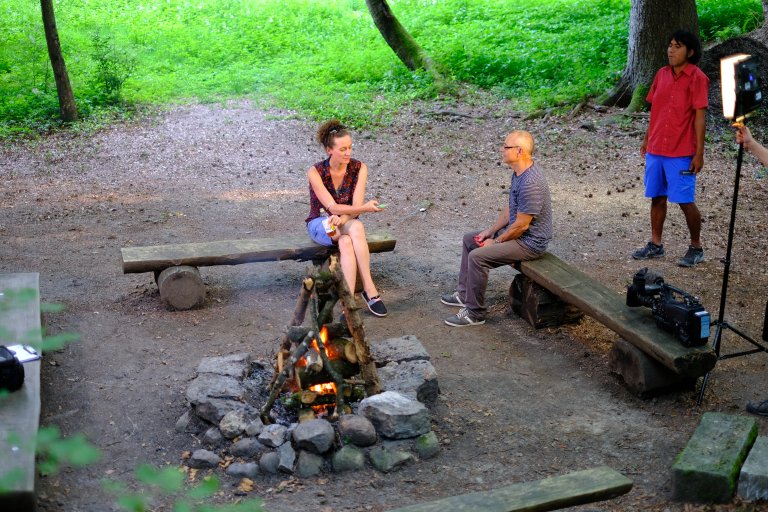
(663, 178)
(317, 232)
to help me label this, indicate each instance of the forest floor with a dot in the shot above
(517, 404)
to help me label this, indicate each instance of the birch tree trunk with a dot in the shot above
(67, 105)
(651, 22)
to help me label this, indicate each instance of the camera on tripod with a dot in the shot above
(674, 310)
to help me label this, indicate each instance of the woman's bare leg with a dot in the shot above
(356, 232)
(348, 261)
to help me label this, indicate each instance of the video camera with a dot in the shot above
(674, 310)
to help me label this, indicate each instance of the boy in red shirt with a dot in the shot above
(674, 144)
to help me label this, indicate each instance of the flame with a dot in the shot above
(324, 388)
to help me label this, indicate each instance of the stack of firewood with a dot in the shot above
(321, 353)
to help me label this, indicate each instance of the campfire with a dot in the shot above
(323, 367)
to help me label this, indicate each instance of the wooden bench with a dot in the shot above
(175, 265)
(20, 410)
(553, 493)
(635, 325)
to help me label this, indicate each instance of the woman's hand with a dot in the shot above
(372, 206)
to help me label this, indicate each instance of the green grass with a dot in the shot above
(320, 58)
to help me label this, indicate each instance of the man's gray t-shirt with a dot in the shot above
(529, 194)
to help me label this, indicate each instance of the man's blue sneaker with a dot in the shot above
(648, 251)
(693, 256)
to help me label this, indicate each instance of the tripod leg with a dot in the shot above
(716, 346)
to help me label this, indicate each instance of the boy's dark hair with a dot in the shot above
(690, 41)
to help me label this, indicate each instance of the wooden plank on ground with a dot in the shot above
(234, 252)
(553, 493)
(636, 325)
(20, 410)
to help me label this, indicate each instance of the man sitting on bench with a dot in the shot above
(521, 232)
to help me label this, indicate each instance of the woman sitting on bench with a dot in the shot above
(337, 185)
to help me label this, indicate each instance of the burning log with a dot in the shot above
(278, 384)
(337, 379)
(362, 350)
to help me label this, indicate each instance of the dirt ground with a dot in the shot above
(517, 404)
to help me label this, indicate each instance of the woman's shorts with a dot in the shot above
(317, 232)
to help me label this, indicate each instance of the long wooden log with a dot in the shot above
(351, 311)
(233, 252)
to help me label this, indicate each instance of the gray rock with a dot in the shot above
(246, 448)
(273, 435)
(212, 396)
(349, 458)
(315, 436)
(386, 460)
(308, 464)
(414, 379)
(254, 427)
(395, 416)
(357, 430)
(213, 437)
(203, 459)
(269, 461)
(235, 365)
(247, 470)
(398, 350)
(427, 445)
(184, 422)
(213, 409)
(233, 423)
(286, 458)
(209, 385)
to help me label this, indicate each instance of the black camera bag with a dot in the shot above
(11, 370)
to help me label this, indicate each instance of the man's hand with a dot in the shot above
(697, 162)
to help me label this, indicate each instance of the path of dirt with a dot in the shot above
(516, 404)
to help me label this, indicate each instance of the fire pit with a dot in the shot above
(320, 404)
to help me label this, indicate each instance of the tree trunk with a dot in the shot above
(397, 37)
(651, 22)
(67, 104)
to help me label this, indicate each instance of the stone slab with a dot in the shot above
(414, 379)
(708, 467)
(20, 410)
(398, 350)
(753, 479)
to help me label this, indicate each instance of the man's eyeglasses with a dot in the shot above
(512, 147)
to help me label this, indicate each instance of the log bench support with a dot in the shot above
(176, 266)
(651, 360)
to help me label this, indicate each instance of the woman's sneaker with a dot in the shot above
(375, 305)
(452, 299)
(693, 256)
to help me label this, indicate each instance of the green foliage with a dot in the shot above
(171, 481)
(719, 21)
(322, 59)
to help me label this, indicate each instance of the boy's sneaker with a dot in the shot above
(463, 319)
(692, 256)
(650, 250)
(452, 299)
(761, 408)
(375, 305)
